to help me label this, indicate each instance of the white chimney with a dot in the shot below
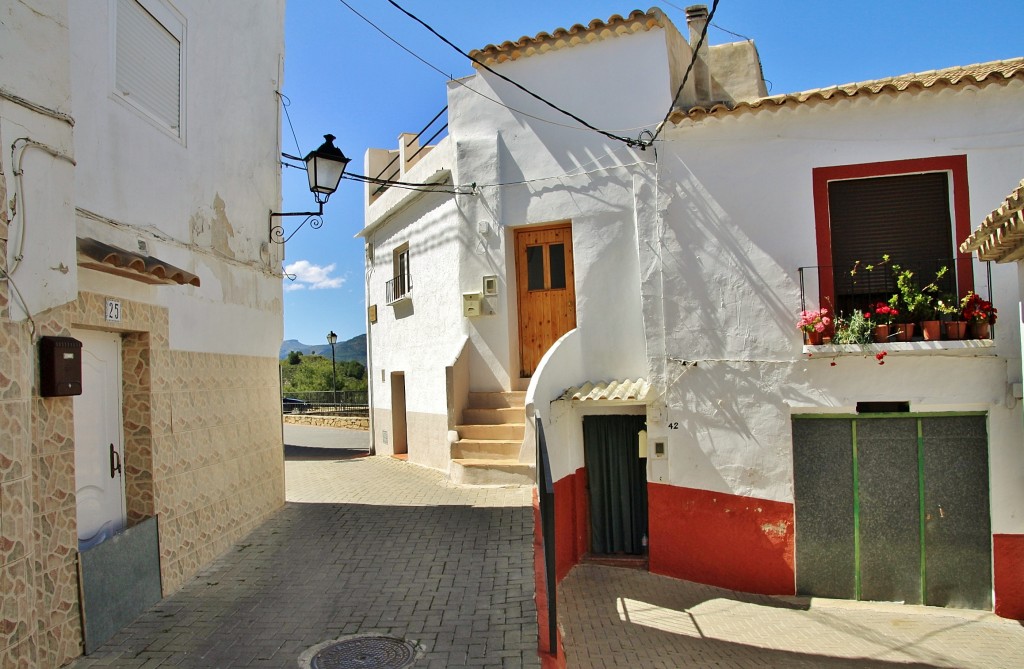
(697, 19)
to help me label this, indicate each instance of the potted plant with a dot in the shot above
(979, 314)
(855, 329)
(882, 317)
(918, 303)
(949, 313)
(813, 323)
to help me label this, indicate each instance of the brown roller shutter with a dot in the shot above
(906, 217)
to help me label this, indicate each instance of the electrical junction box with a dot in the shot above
(60, 367)
(471, 304)
(491, 285)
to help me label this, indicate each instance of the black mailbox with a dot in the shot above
(60, 366)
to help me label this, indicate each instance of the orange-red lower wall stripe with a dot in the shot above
(1008, 564)
(742, 543)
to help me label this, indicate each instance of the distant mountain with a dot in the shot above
(353, 349)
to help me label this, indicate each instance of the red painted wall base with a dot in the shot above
(741, 543)
(1008, 563)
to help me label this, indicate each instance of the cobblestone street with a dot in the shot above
(364, 545)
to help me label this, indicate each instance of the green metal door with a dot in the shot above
(893, 508)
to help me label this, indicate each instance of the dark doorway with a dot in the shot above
(617, 480)
(399, 432)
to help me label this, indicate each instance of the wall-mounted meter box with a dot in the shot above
(471, 303)
(60, 367)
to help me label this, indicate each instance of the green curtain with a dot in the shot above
(617, 478)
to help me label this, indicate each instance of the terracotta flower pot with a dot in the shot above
(881, 333)
(956, 330)
(904, 331)
(979, 330)
(931, 330)
(813, 338)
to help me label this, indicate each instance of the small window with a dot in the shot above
(400, 287)
(556, 263)
(535, 267)
(913, 211)
(148, 64)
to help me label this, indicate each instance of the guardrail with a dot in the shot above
(327, 403)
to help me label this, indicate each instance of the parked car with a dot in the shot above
(292, 405)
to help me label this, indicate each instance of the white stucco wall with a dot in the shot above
(35, 117)
(740, 220)
(200, 200)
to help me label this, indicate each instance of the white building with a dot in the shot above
(659, 289)
(137, 183)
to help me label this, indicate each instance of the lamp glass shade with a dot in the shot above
(332, 338)
(325, 166)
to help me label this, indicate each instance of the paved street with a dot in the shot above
(310, 436)
(613, 617)
(365, 545)
(371, 545)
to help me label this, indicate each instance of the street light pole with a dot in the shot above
(332, 339)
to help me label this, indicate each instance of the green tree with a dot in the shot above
(294, 357)
(313, 373)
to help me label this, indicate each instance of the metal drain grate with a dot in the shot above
(365, 652)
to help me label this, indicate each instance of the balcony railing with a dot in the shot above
(398, 289)
(860, 286)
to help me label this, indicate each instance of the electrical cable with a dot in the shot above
(470, 88)
(285, 103)
(686, 75)
(18, 171)
(627, 140)
(21, 298)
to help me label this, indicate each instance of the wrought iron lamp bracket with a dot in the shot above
(314, 218)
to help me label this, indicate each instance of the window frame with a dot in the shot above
(176, 25)
(960, 210)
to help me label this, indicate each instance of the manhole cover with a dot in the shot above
(365, 652)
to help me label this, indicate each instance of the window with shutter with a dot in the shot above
(148, 60)
(913, 211)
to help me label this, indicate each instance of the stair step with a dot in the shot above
(485, 449)
(475, 471)
(504, 431)
(496, 416)
(497, 400)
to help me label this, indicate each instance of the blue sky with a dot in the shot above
(343, 77)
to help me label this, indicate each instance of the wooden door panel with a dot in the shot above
(546, 290)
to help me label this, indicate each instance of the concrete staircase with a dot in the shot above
(487, 452)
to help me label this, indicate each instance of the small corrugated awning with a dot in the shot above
(622, 391)
(1000, 236)
(147, 269)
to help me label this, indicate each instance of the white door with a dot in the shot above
(99, 448)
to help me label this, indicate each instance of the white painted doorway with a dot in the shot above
(99, 441)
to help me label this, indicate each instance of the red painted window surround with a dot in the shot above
(961, 213)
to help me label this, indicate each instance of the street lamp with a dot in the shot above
(332, 339)
(324, 168)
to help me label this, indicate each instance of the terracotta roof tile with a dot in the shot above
(1000, 236)
(625, 390)
(637, 21)
(954, 77)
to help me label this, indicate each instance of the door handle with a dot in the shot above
(115, 461)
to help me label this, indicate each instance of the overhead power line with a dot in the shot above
(689, 68)
(627, 140)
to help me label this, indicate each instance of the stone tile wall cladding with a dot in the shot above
(203, 451)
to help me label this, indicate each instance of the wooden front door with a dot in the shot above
(546, 291)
